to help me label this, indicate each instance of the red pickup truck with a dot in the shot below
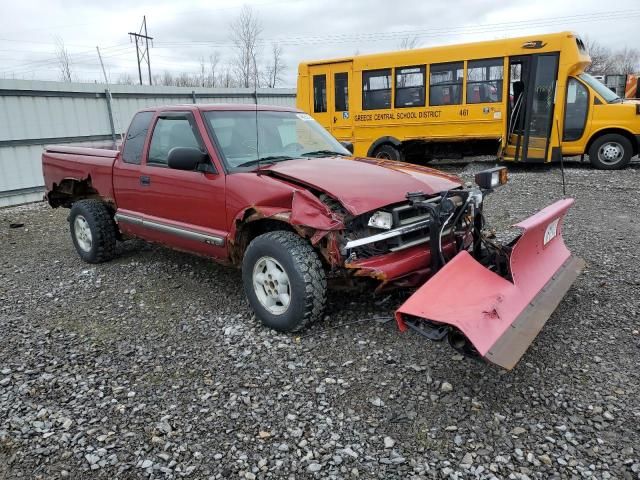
(268, 189)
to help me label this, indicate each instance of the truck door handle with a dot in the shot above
(145, 180)
(335, 119)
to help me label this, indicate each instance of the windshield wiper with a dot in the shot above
(617, 100)
(322, 152)
(265, 160)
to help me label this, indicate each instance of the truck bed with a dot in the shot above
(91, 167)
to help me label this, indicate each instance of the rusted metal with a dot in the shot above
(407, 268)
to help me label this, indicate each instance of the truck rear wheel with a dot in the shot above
(610, 152)
(93, 231)
(284, 281)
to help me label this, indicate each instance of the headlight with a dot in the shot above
(381, 219)
(492, 178)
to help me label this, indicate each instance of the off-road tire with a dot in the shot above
(307, 279)
(103, 230)
(389, 152)
(614, 138)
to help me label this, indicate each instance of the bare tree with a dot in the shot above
(613, 62)
(245, 34)
(276, 68)
(409, 43)
(167, 79)
(226, 79)
(214, 60)
(64, 61)
(626, 61)
(126, 79)
(600, 57)
(202, 81)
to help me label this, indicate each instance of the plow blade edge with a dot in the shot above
(500, 317)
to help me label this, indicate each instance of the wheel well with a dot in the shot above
(71, 190)
(250, 230)
(619, 131)
(394, 142)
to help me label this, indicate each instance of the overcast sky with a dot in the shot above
(186, 30)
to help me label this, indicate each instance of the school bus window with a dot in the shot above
(376, 89)
(575, 112)
(445, 83)
(484, 80)
(319, 93)
(341, 82)
(410, 87)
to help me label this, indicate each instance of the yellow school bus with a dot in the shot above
(528, 99)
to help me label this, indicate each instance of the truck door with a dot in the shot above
(178, 208)
(338, 102)
(532, 83)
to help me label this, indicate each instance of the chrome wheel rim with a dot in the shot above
(383, 155)
(610, 153)
(271, 285)
(82, 232)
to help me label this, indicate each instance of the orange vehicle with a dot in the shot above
(631, 87)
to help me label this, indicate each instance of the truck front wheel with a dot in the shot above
(93, 231)
(284, 281)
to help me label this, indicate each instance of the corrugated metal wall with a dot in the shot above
(37, 113)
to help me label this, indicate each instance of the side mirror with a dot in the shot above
(185, 158)
(348, 146)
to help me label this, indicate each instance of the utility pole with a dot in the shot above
(142, 48)
(106, 80)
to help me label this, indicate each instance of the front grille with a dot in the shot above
(407, 214)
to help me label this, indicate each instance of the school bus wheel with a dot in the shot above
(610, 152)
(388, 152)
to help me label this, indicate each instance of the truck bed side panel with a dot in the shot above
(81, 164)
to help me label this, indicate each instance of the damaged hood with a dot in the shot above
(363, 184)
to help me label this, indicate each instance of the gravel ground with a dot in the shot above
(151, 366)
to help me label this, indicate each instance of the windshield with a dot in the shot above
(281, 136)
(600, 88)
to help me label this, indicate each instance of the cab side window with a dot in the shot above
(168, 133)
(445, 83)
(319, 93)
(376, 89)
(136, 135)
(575, 112)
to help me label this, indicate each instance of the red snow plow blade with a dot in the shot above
(501, 318)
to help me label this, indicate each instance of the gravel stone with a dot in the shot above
(219, 396)
(446, 387)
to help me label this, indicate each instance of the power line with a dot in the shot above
(431, 32)
(189, 12)
(52, 61)
(122, 49)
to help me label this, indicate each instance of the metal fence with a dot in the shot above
(38, 113)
